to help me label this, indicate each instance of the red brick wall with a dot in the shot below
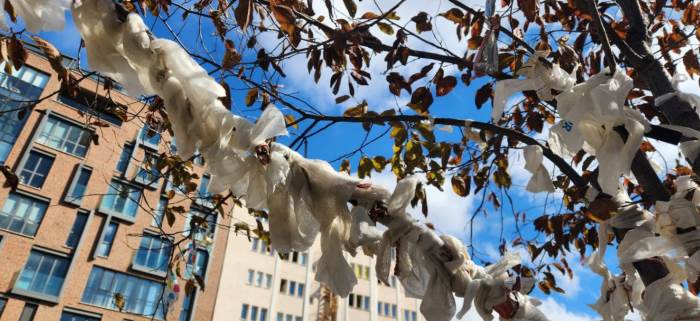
(58, 219)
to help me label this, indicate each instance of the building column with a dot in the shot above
(275, 288)
(373, 292)
(307, 287)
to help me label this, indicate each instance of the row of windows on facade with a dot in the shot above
(44, 273)
(250, 313)
(26, 84)
(362, 302)
(363, 272)
(30, 309)
(121, 198)
(259, 246)
(259, 279)
(292, 287)
(23, 214)
(386, 309)
(255, 313)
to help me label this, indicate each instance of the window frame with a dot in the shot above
(3, 304)
(158, 305)
(156, 271)
(84, 314)
(208, 213)
(34, 306)
(35, 198)
(103, 234)
(68, 198)
(201, 199)
(48, 115)
(148, 182)
(159, 213)
(129, 157)
(78, 214)
(145, 142)
(23, 163)
(190, 309)
(38, 295)
(120, 215)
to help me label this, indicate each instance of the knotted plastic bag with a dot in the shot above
(540, 181)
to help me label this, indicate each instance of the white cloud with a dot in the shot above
(376, 93)
(446, 210)
(556, 311)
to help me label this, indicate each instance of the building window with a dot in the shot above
(254, 244)
(187, 304)
(43, 274)
(22, 214)
(35, 169)
(26, 81)
(121, 200)
(79, 185)
(300, 289)
(65, 136)
(202, 230)
(28, 312)
(149, 137)
(159, 213)
(77, 230)
(98, 107)
(125, 158)
(153, 254)
(148, 173)
(3, 302)
(105, 245)
(253, 313)
(303, 258)
(251, 276)
(21, 85)
(70, 316)
(199, 267)
(410, 315)
(203, 195)
(10, 126)
(283, 286)
(292, 287)
(170, 186)
(254, 316)
(140, 296)
(198, 159)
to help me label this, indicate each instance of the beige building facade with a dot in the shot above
(257, 285)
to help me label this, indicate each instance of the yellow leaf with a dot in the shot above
(251, 96)
(289, 119)
(385, 28)
(369, 15)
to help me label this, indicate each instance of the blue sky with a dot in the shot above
(448, 212)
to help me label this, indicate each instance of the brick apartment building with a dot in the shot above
(78, 229)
